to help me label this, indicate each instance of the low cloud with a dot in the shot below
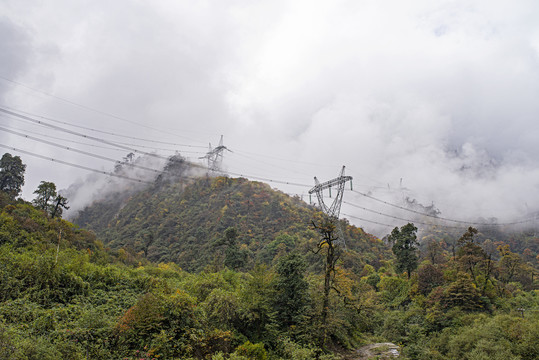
(442, 95)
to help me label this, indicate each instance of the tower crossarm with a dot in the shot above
(334, 209)
(215, 156)
(330, 183)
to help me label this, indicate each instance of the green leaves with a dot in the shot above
(11, 175)
(405, 248)
(188, 222)
(47, 199)
(291, 297)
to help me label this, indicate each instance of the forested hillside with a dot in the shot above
(184, 222)
(264, 277)
(65, 296)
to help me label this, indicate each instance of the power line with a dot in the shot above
(380, 223)
(162, 149)
(242, 153)
(24, 117)
(105, 132)
(79, 151)
(75, 165)
(27, 118)
(399, 218)
(268, 180)
(98, 146)
(119, 144)
(240, 175)
(66, 140)
(282, 159)
(369, 221)
(266, 163)
(439, 217)
(102, 147)
(92, 109)
(154, 141)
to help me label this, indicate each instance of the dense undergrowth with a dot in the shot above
(65, 295)
(183, 222)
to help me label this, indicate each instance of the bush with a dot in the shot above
(252, 351)
(36, 349)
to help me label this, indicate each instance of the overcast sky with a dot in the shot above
(437, 97)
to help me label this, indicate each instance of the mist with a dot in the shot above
(436, 101)
(129, 176)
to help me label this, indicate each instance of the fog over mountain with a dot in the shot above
(432, 100)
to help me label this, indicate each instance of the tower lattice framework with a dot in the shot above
(334, 209)
(214, 156)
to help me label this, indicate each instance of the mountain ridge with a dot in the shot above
(180, 221)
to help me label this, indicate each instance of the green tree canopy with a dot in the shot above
(292, 297)
(11, 174)
(46, 192)
(405, 248)
(49, 200)
(470, 256)
(235, 257)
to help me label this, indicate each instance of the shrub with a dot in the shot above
(252, 351)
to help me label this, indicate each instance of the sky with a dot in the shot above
(432, 100)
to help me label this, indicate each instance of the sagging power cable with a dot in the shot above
(74, 165)
(85, 107)
(439, 217)
(105, 132)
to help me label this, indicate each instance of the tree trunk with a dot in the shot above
(330, 268)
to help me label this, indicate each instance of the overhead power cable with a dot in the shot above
(27, 118)
(98, 146)
(399, 218)
(369, 221)
(93, 109)
(375, 222)
(66, 140)
(439, 217)
(74, 165)
(161, 149)
(281, 159)
(80, 151)
(267, 163)
(269, 180)
(105, 132)
(242, 153)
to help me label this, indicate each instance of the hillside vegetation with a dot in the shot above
(223, 268)
(184, 222)
(65, 296)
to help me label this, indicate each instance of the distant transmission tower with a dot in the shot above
(215, 157)
(334, 209)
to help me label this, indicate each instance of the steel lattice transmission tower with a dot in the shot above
(215, 157)
(329, 241)
(334, 209)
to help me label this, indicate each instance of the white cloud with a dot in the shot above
(440, 94)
